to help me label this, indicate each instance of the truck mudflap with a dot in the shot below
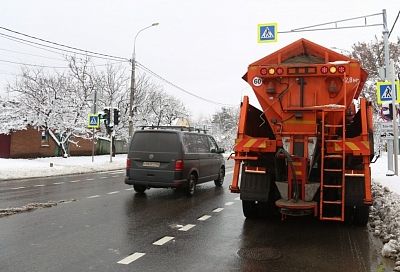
(255, 184)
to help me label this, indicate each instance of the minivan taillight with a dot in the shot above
(128, 163)
(178, 165)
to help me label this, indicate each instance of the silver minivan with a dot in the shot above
(173, 157)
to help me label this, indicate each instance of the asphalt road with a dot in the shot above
(108, 227)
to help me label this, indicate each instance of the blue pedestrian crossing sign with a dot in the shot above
(384, 91)
(94, 121)
(267, 32)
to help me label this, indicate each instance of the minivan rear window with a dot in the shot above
(155, 142)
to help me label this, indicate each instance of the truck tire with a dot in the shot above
(250, 209)
(218, 182)
(357, 215)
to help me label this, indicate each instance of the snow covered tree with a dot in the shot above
(224, 127)
(371, 56)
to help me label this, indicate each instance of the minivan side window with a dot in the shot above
(189, 143)
(203, 144)
(213, 144)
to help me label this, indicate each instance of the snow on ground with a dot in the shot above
(385, 212)
(54, 166)
(384, 217)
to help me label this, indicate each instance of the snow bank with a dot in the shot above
(384, 221)
(54, 166)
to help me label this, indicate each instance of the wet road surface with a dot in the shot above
(111, 228)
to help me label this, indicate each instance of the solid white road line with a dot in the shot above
(218, 210)
(39, 185)
(16, 188)
(163, 240)
(187, 227)
(111, 193)
(57, 183)
(204, 217)
(131, 258)
(229, 203)
(93, 196)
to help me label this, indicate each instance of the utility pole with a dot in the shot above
(131, 95)
(94, 112)
(390, 76)
(133, 87)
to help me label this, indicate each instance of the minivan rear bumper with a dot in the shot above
(157, 184)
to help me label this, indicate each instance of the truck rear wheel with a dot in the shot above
(250, 209)
(357, 215)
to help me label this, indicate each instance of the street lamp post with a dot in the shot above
(133, 87)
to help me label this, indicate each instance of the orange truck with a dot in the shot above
(308, 150)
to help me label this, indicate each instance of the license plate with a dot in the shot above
(151, 164)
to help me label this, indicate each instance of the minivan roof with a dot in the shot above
(176, 128)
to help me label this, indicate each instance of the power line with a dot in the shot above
(16, 39)
(55, 67)
(395, 21)
(35, 65)
(141, 66)
(63, 45)
(28, 54)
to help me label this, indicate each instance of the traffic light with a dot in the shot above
(116, 116)
(106, 117)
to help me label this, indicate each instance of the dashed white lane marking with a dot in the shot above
(17, 188)
(39, 185)
(93, 196)
(204, 217)
(73, 181)
(111, 193)
(163, 240)
(237, 198)
(229, 203)
(218, 210)
(131, 258)
(103, 177)
(115, 176)
(89, 179)
(57, 183)
(187, 227)
(129, 189)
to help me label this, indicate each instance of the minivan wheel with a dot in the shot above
(218, 182)
(191, 185)
(139, 188)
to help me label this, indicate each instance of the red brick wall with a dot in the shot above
(84, 147)
(28, 144)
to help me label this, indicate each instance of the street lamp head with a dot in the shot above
(154, 24)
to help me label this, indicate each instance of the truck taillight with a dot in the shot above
(279, 70)
(324, 70)
(263, 71)
(332, 69)
(128, 163)
(341, 69)
(179, 165)
(271, 71)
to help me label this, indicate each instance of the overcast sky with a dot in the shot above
(202, 46)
